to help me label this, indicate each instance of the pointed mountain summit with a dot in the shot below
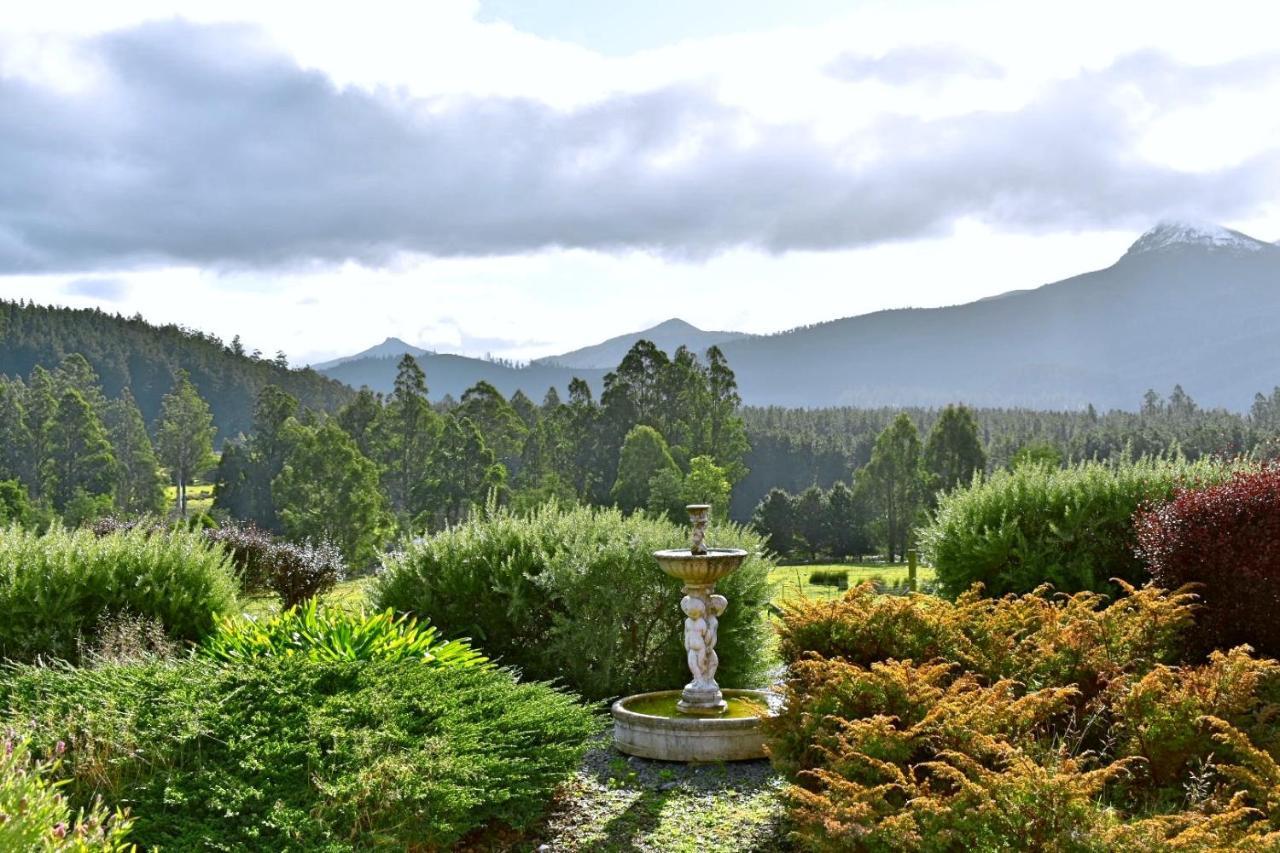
(669, 336)
(390, 348)
(1170, 235)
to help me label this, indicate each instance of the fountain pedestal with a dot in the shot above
(697, 723)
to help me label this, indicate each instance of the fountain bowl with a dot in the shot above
(679, 737)
(700, 569)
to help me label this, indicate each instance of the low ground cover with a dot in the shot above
(293, 753)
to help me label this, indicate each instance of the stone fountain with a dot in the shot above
(700, 722)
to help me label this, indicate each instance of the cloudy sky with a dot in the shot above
(522, 177)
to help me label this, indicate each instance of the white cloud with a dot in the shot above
(1102, 117)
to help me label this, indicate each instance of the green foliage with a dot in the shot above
(1036, 724)
(334, 634)
(184, 435)
(893, 483)
(85, 508)
(35, 816)
(15, 506)
(829, 577)
(56, 590)
(328, 491)
(575, 594)
(775, 519)
(644, 456)
(246, 470)
(707, 483)
(407, 432)
(290, 753)
(461, 473)
(139, 484)
(954, 453)
(1069, 527)
(836, 522)
(79, 458)
(1037, 453)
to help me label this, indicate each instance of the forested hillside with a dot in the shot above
(131, 353)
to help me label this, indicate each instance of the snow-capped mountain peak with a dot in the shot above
(1170, 234)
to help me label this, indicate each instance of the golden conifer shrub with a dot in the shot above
(1033, 722)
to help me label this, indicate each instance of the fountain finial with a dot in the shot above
(698, 516)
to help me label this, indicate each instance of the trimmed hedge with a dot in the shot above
(575, 595)
(58, 590)
(285, 753)
(1226, 540)
(1069, 527)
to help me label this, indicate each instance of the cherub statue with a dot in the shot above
(716, 605)
(695, 638)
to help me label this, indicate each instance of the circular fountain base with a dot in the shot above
(649, 725)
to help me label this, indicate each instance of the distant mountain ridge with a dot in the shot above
(390, 348)
(1188, 303)
(668, 336)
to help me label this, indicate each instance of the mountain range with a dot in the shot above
(1190, 304)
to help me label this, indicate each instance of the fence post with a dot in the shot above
(911, 569)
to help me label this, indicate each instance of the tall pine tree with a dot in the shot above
(185, 436)
(79, 461)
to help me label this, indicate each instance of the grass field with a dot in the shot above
(199, 498)
(793, 581)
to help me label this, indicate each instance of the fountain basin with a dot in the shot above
(701, 569)
(647, 725)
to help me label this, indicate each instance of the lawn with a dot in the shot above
(793, 581)
(199, 498)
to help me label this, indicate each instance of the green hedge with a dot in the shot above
(1069, 527)
(56, 590)
(295, 754)
(575, 595)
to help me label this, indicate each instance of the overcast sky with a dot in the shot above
(523, 177)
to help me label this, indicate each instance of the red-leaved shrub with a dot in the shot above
(1227, 539)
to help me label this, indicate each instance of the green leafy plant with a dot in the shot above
(35, 816)
(59, 590)
(575, 595)
(333, 634)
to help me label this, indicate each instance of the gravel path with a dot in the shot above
(621, 803)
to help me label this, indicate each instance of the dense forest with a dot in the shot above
(128, 352)
(796, 448)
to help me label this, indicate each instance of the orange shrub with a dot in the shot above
(1032, 723)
